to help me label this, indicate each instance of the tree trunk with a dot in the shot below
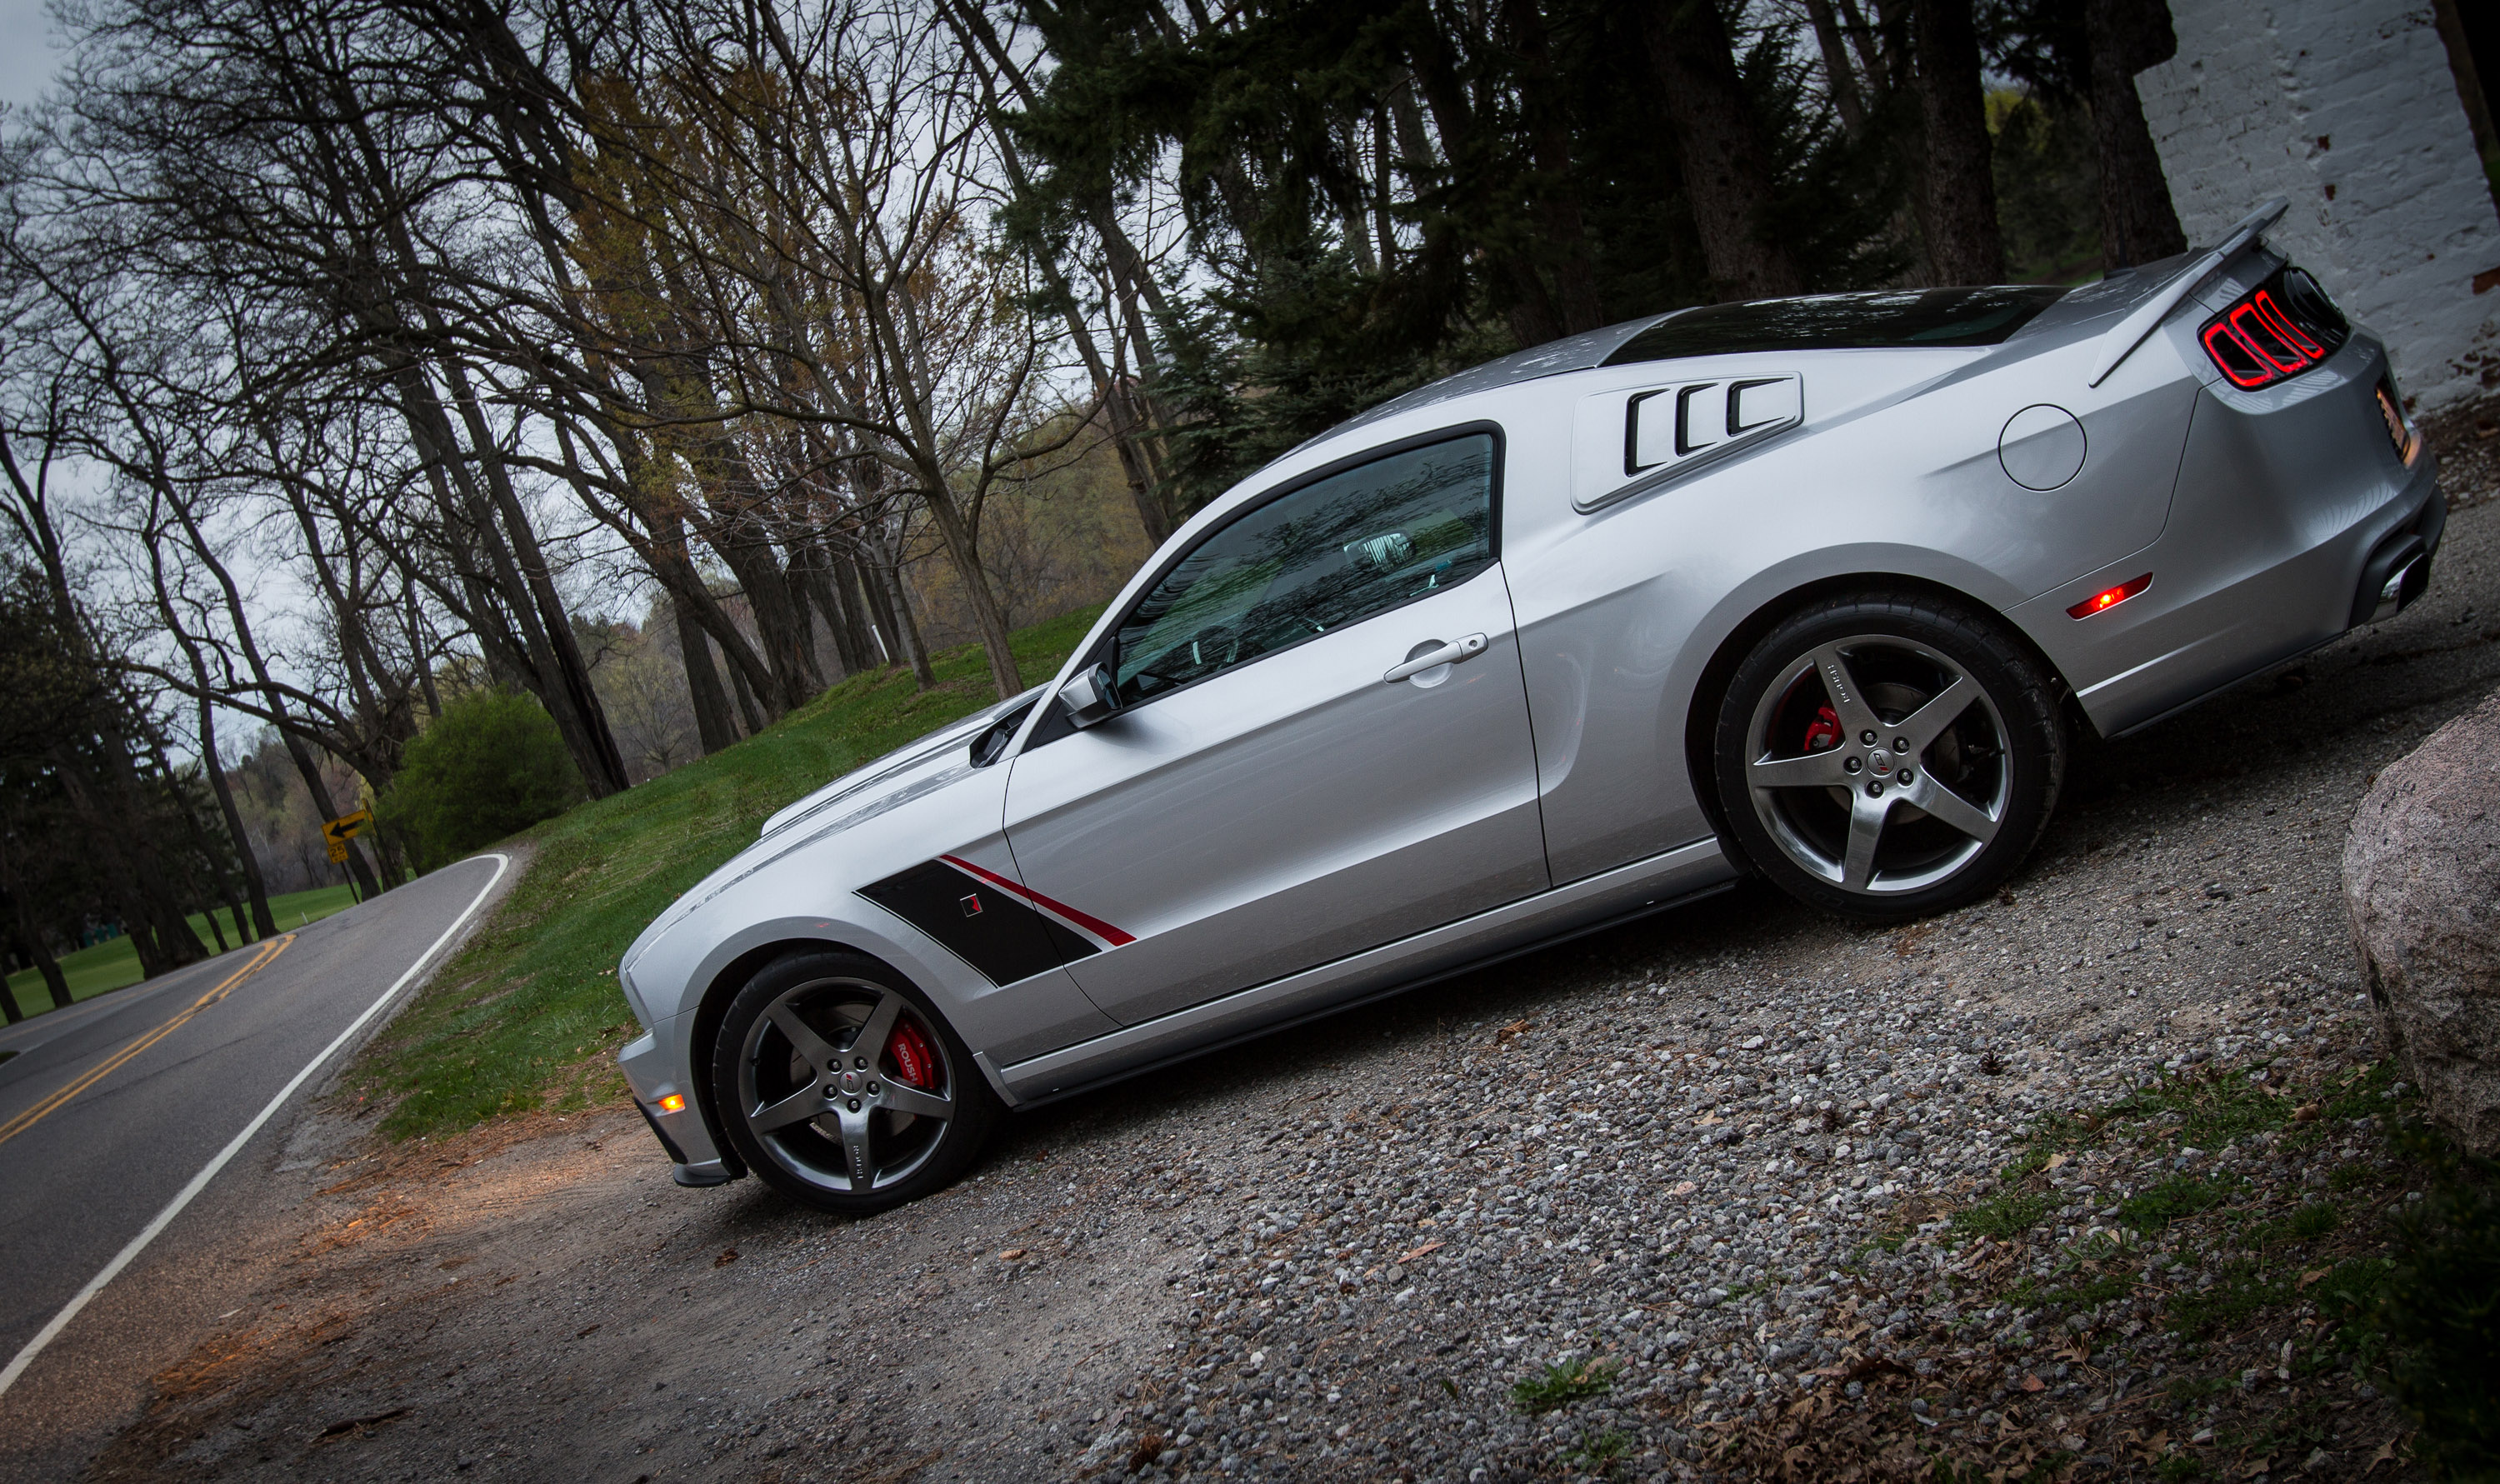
(1557, 197)
(570, 671)
(1719, 145)
(2138, 223)
(31, 945)
(714, 727)
(818, 569)
(263, 922)
(887, 583)
(989, 620)
(1963, 243)
(273, 699)
(1838, 74)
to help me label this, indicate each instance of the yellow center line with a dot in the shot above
(40, 1111)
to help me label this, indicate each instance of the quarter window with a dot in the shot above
(1308, 563)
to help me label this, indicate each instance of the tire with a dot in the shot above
(830, 1125)
(1951, 702)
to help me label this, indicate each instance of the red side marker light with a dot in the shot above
(2109, 597)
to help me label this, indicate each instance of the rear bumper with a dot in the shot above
(2293, 515)
(2398, 570)
(654, 1075)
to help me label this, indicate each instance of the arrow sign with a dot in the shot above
(347, 827)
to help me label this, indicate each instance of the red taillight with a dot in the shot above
(2109, 597)
(2279, 329)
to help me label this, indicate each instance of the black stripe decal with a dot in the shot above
(1003, 936)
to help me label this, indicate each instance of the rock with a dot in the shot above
(2421, 884)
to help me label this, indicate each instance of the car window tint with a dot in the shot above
(1888, 319)
(1329, 554)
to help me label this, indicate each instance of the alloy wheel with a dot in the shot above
(846, 1087)
(1878, 765)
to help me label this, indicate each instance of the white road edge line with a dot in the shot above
(199, 1182)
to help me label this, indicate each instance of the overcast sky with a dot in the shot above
(26, 55)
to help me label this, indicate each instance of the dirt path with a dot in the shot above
(1335, 1254)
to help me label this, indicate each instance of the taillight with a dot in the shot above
(2278, 329)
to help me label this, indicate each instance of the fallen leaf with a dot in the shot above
(2261, 1466)
(1012, 1254)
(727, 1257)
(2034, 1383)
(2307, 1112)
(2056, 1161)
(2386, 1454)
(1426, 1249)
(2308, 1278)
(1707, 1119)
(1683, 1188)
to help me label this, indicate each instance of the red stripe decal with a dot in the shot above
(1093, 925)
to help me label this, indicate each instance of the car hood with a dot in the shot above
(913, 771)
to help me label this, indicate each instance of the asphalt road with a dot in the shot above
(109, 1111)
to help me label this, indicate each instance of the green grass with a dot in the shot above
(115, 964)
(1599, 1454)
(1561, 1383)
(2173, 1200)
(2307, 1224)
(528, 1015)
(2029, 1294)
(2241, 1290)
(2003, 1217)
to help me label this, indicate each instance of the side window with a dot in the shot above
(1329, 554)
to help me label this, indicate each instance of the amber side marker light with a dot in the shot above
(2111, 598)
(673, 1102)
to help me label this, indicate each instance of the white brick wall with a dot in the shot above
(2346, 108)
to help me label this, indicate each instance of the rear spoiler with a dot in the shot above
(2138, 327)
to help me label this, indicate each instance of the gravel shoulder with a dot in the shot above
(1726, 1186)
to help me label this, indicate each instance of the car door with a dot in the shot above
(1275, 791)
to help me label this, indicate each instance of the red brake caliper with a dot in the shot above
(914, 1061)
(1825, 731)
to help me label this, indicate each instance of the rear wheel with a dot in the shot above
(1887, 756)
(841, 1086)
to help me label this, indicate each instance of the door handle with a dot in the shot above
(1450, 653)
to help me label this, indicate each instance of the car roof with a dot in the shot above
(1894, 319)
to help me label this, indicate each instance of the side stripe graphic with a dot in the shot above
(1093, 925)
(1005, 937)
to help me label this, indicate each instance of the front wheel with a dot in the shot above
(1887, 756)
(841, 1086)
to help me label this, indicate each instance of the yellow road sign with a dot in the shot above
(347, 827)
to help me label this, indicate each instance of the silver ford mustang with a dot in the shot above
(1815, 588)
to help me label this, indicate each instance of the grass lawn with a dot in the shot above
(114, 965)
(528, 1015)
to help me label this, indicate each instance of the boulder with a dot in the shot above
(2421, 883)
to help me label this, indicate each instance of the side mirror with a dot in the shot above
(1089, 697)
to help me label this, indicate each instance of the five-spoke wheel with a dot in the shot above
(839, 1084)
(1887, 756)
